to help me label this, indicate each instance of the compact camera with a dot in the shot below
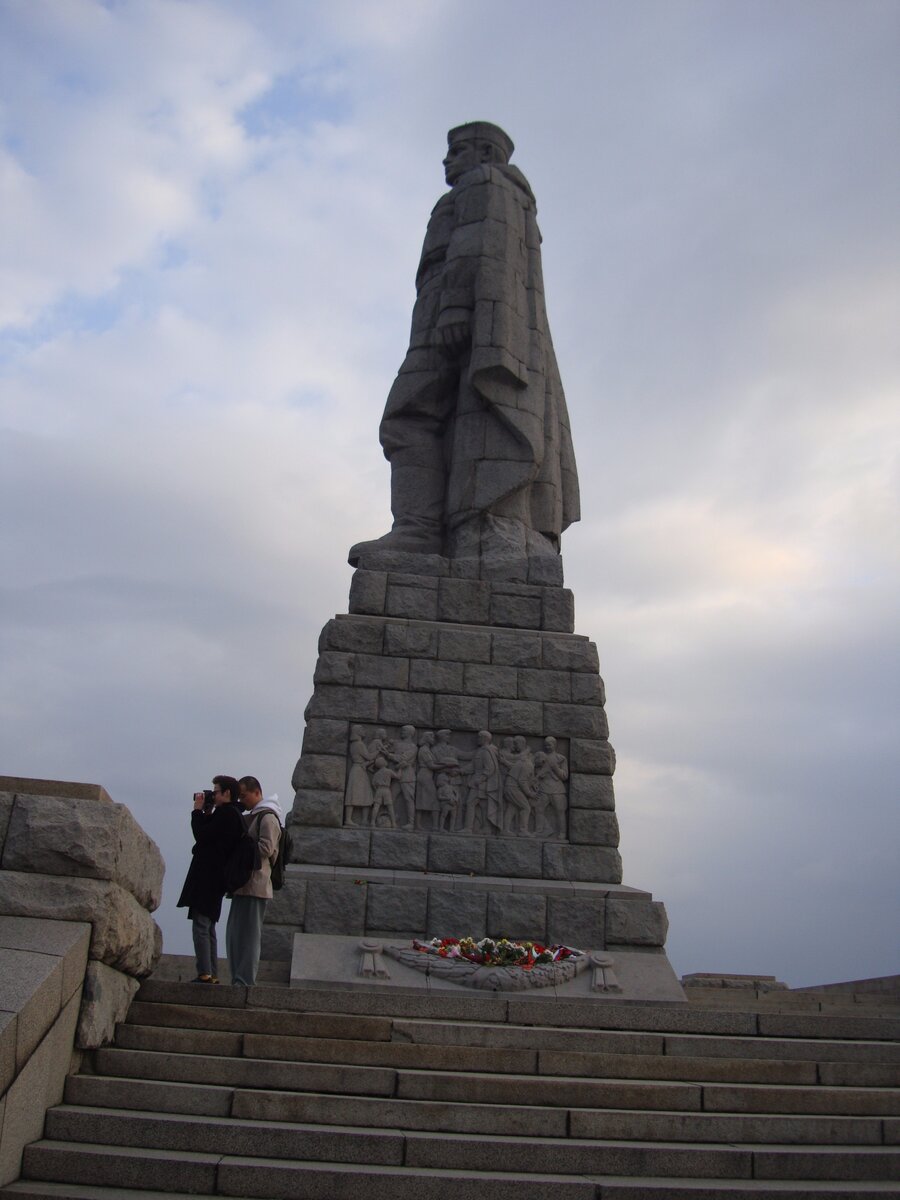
(207, 798)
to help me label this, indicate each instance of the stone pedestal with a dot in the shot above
(386, 965)
(407, 683)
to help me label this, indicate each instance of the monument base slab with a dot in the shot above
(369, 965)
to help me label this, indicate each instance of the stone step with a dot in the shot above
(477, 1059)
(222, 1135)
(818, 1049)
(811, 999)
(151, 1095)
(606, 1093)
(253, 1020)
(448, 1117)
(618, 1041)
(562, 1013)
(623, 1188)
(121, 1166)
(38, 1189)
(246, 1072)
(340, 1025)
(70, 1131)
(323, 1050)
(789, 1001)
(341, 1182)
(826, 1025)
(385, 1183)
(712, 1070)
(402, 1029)
(736, 1128)
(316, 1107)
(495, 1089)
(374, 1081)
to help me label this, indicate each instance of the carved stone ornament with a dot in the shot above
(603, 977)
(491, 978)
(371, 963)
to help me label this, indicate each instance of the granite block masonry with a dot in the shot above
(495, 815)
(69, 853)
(455, 775)
(79, 879)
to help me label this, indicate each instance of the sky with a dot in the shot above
(212, 215)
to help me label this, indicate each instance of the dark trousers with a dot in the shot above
(206, 950)
(243, 938)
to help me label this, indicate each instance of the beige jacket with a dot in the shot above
(267, 831)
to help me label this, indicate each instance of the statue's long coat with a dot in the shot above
(481, 261)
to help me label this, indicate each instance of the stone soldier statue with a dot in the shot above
(476, 427)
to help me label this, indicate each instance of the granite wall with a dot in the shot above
(79, 879)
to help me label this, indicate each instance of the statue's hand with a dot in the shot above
(454, 333)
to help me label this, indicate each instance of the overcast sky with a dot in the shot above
(211, 217)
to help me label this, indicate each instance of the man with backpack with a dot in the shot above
(264, 822)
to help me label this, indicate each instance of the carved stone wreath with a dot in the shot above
(489, 977)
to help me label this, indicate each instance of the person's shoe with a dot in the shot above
(205, 979)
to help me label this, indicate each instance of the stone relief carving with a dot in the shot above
(551, 777)
(603, 977)
(489, 978)
(485, 788)
(358, 794)
(438, 782)
(426, 797)
(371, 964)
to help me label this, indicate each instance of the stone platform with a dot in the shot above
(389, 964)
(538, 604)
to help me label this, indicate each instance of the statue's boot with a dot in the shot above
(406, 536)
(417, 502)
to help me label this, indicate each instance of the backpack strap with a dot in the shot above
(258, 816)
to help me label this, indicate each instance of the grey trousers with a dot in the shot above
(206, 949)
(243, 937)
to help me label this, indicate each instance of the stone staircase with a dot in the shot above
(336, 1095)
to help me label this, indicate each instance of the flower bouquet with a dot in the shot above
(499, 952)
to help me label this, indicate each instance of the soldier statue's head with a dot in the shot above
(473, 145)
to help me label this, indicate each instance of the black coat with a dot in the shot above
(215, 836)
